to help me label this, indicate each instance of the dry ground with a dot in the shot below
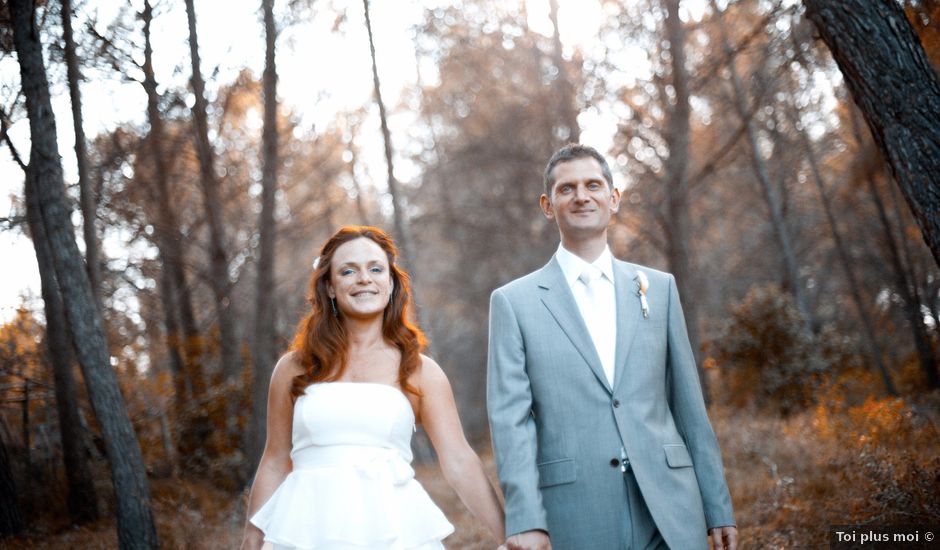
(874, 462)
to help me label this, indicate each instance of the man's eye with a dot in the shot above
(594, 186)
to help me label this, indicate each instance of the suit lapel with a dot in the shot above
(557, 297)
(628, 316)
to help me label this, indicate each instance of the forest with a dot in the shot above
(781, 158)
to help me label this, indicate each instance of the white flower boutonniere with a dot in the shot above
(642, 284)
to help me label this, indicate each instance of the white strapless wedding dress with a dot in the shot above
(352, 486)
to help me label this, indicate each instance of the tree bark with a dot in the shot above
(170, 241)
(81, 499)
(218, 257)
(871, 340)
(401, 226)
(890, 78)
(11, 518)
(265, 355)
(678, 237)
(907, 289)
(568, 113)
(769, 191)
(88, 200)
(132, 494)
(905, 279)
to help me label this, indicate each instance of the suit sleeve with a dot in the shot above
(509, 406)
(688, 409)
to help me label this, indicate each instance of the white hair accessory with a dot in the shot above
(316, 262)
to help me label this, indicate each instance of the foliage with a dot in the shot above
(770, 357)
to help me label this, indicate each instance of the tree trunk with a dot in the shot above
(265, 354)
(422, 447)
(172, 336)
(132, 494)
(871, 340)
(218, 258)
(568, 113)
(82, 502)
(401, 226)
(11, 518)
(906, 288)
(892, 82)
(88, 200)
(905, 279)
(678, 238)
(170, 240)
(769, 191)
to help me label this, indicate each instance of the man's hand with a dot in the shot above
(529, 540)
(724, 538)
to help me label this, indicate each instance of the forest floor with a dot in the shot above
(875, 462)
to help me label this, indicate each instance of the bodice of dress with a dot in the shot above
(351, 484)
(351, 414)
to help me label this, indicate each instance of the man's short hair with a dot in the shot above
(571, 152)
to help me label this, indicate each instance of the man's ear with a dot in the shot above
(614, 200)
(546, 204)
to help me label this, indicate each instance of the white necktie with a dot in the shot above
(594, 319)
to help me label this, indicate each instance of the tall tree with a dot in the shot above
(132, 493)
(891, 80)
(212, 203)
(568, 112)
(265, 354)
(11, 518)
(170, 243)
(770, 192)
(398, 208)
(87, 197)
(81, 499)
(871, 339)
(678, 218)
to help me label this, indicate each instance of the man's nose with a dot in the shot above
(580, 193)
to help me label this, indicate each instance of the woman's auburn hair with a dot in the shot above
(320, 343)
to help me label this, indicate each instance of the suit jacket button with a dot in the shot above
(616, 403)
(614, 462)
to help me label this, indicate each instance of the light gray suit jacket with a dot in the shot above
(557, 425)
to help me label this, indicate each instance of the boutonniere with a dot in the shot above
(642, 284)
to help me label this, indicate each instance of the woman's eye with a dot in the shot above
(346, 272)
(377, 270)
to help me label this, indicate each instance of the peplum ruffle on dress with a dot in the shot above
(352, 486)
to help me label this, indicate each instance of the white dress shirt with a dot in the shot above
(598, 305)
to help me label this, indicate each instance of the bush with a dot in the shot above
(771, 358)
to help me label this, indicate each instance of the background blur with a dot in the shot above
(746, 170)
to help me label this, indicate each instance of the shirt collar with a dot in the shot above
(573, 265)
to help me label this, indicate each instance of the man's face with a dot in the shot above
(581, 202)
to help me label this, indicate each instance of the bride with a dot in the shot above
(335, 473)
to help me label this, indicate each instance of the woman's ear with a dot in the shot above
(330, 291)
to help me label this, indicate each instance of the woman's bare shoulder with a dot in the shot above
(429, 374)
(287, 367)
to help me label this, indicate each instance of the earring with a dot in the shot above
(333, 303)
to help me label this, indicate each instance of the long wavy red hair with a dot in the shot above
(320, 342)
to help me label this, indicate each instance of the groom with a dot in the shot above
(598, 423)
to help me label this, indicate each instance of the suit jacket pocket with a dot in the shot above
(677, 456)
(557, 472)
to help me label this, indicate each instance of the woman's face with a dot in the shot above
(360, 279)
